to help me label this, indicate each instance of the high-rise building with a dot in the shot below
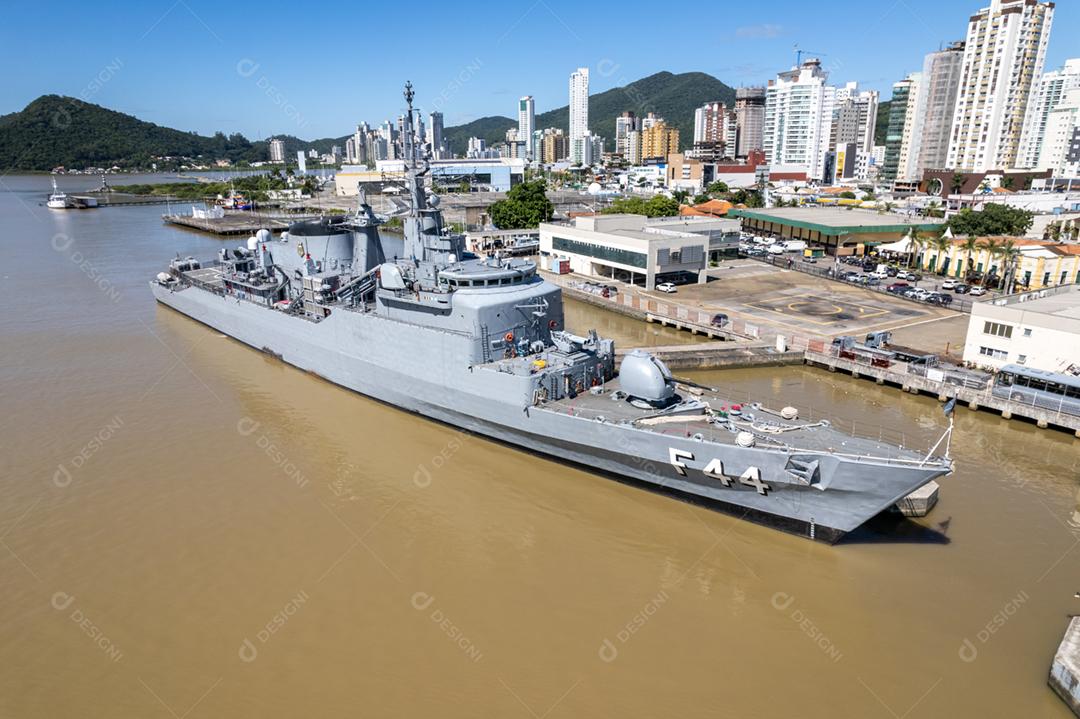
(1004, 55)
(526, 124)
(435, 136)
(854, 117)
(898, 137)
(579, 110)
(709, 123)
(624, 125)
(277, 150)
(633, 147)
(1049, 91)
(659, 141)
(933, 117)
(798, 118)
(749, 119)
(301, 161)
(1057, 151)
(553, 145)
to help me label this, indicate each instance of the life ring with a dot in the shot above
(552, 324)
(595, 381)
(509, 337)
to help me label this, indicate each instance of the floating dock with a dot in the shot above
(1065, 671)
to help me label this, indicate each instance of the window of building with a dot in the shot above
(993, 353)
(1027, 331)
(998, 330)
(612, 254)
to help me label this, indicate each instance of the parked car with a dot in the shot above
(938, 298)
(949, 284)
(896, 287)
(978, 291)
(719, 320)
(879, 274)
(892, 271)
(905, 275)
(962, 289)
(667, 287)
(776, 249)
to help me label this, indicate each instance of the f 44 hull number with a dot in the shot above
(715, 470)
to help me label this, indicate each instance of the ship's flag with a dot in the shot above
(949, 407)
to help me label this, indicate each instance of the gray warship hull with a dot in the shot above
(377, 357)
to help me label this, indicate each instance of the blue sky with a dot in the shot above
(316, 69)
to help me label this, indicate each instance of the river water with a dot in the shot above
(191, 528)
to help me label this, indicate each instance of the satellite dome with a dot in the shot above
(642, 376)
(263, 236)
(433, 200)
(594, 188)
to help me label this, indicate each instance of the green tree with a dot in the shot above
(680, 196)
(957, 184)
(1010, 257)
(1008, 181)
(656, 206)
(526, 205)
(993, 220)
(701, 199)
(848, 195)
(717, 188)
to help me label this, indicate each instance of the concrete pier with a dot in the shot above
(920, 502)
(1065, 671)
(975, 398)
(719, 355)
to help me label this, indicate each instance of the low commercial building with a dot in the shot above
(1040, 263)
(497, 174)
(838, 231)
(630, 248)
(1040, 330)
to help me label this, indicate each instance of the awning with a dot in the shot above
(901, 246)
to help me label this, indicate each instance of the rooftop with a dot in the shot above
(833, 221)
(1061, 302)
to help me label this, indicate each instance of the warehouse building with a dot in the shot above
(838, 231)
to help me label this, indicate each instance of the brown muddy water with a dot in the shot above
(190, 528)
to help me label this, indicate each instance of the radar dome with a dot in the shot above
(433, 200)
(594, 188)
(642, 376)
(263, 236)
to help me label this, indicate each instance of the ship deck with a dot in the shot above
(730, 416)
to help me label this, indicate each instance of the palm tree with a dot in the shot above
(970, 247)
(1010, 256)
(920, 244)
(942, 245)
(993, 250)
(958, 182)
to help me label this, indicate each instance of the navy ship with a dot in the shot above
(480, 343)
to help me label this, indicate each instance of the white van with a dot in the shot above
(794, 245)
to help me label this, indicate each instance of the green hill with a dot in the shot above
(54, 130)
(673, 97)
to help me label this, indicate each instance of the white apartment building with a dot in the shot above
(1047, 94)
(277, 151)
(798, 118)
(1040, 330)
(1059, 134)
(911, 137)
(624, 125)
(527, 125)
(934, 118)
(1004, 55)
(709, 123)
(854, 117)
(579, 110)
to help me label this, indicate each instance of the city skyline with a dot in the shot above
(263, 90)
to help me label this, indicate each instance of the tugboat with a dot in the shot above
(480, 343)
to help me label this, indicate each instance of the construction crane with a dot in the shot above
(800, 52)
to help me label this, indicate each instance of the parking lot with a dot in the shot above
(795, 302)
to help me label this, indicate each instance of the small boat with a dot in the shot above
(57, 200)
